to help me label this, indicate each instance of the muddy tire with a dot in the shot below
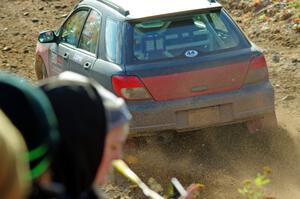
(40, 69)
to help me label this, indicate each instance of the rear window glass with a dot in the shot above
(186, 37)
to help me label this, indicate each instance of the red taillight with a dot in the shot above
(258, 70)
(130, 88)
(258, 62)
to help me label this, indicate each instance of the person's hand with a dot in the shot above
(193, 191)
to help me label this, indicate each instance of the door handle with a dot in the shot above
(66, 56)
(87, 65)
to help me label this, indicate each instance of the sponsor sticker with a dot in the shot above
(191, 53)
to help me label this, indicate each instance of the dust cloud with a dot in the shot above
(221, 158)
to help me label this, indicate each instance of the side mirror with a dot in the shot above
(47, 37)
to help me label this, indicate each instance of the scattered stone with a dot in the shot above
(265, 29)
(5, 29)
(238, 13)
(276, 31)
(13, 66)
(35, 20)
(41, 8)
(286, 14)
(62, 16)
(276, 58)
(16, 33)
(155, 186)
(296, 27)
(60, 6)
(26, 13)
(25, 51)
(6, 49)
(295, 60)
(265, 51)
(288, 98)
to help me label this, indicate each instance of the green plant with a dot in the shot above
(294, 4)
(253, 189)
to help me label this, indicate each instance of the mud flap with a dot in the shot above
(269, 121)
(38, 69)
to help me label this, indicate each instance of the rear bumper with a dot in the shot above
(249, 102)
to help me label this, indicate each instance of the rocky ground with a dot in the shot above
(219, 157)
(275, 27)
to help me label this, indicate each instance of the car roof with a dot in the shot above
(138, 9)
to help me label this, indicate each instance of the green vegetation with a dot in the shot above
(294, 4)
(253, 189)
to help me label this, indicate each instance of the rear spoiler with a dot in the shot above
(175, 14)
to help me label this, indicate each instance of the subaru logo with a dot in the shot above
(191, 53)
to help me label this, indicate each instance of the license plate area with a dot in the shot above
(204, 116)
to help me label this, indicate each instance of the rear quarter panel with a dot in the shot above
(102, 72)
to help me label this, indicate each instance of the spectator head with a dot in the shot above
(14, 181)
(90, 118)
(30, 111)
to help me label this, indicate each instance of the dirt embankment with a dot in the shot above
(221, 158)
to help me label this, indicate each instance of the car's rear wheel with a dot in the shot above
(40, 69)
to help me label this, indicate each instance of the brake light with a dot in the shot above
(130, 88)
(258, 62)
(258, 70)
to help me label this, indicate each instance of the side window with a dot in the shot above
(217, 22)
(111, 40)
(72, 27)
(90, 33)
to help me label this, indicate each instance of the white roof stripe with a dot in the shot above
(147, 8)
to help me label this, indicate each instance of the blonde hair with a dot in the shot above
(14, 168)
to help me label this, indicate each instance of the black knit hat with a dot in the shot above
(117, 112)
(82, 127)
(30, 111)
(85, 112)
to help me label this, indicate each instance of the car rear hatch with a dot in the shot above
(188, 56)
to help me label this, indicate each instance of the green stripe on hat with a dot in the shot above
(37, 152)
(39, 169)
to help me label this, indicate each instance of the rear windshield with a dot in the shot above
(184, 37)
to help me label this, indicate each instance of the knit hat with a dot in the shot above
(30, 111)
(117, 112)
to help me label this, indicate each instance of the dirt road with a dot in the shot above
(221, 158)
